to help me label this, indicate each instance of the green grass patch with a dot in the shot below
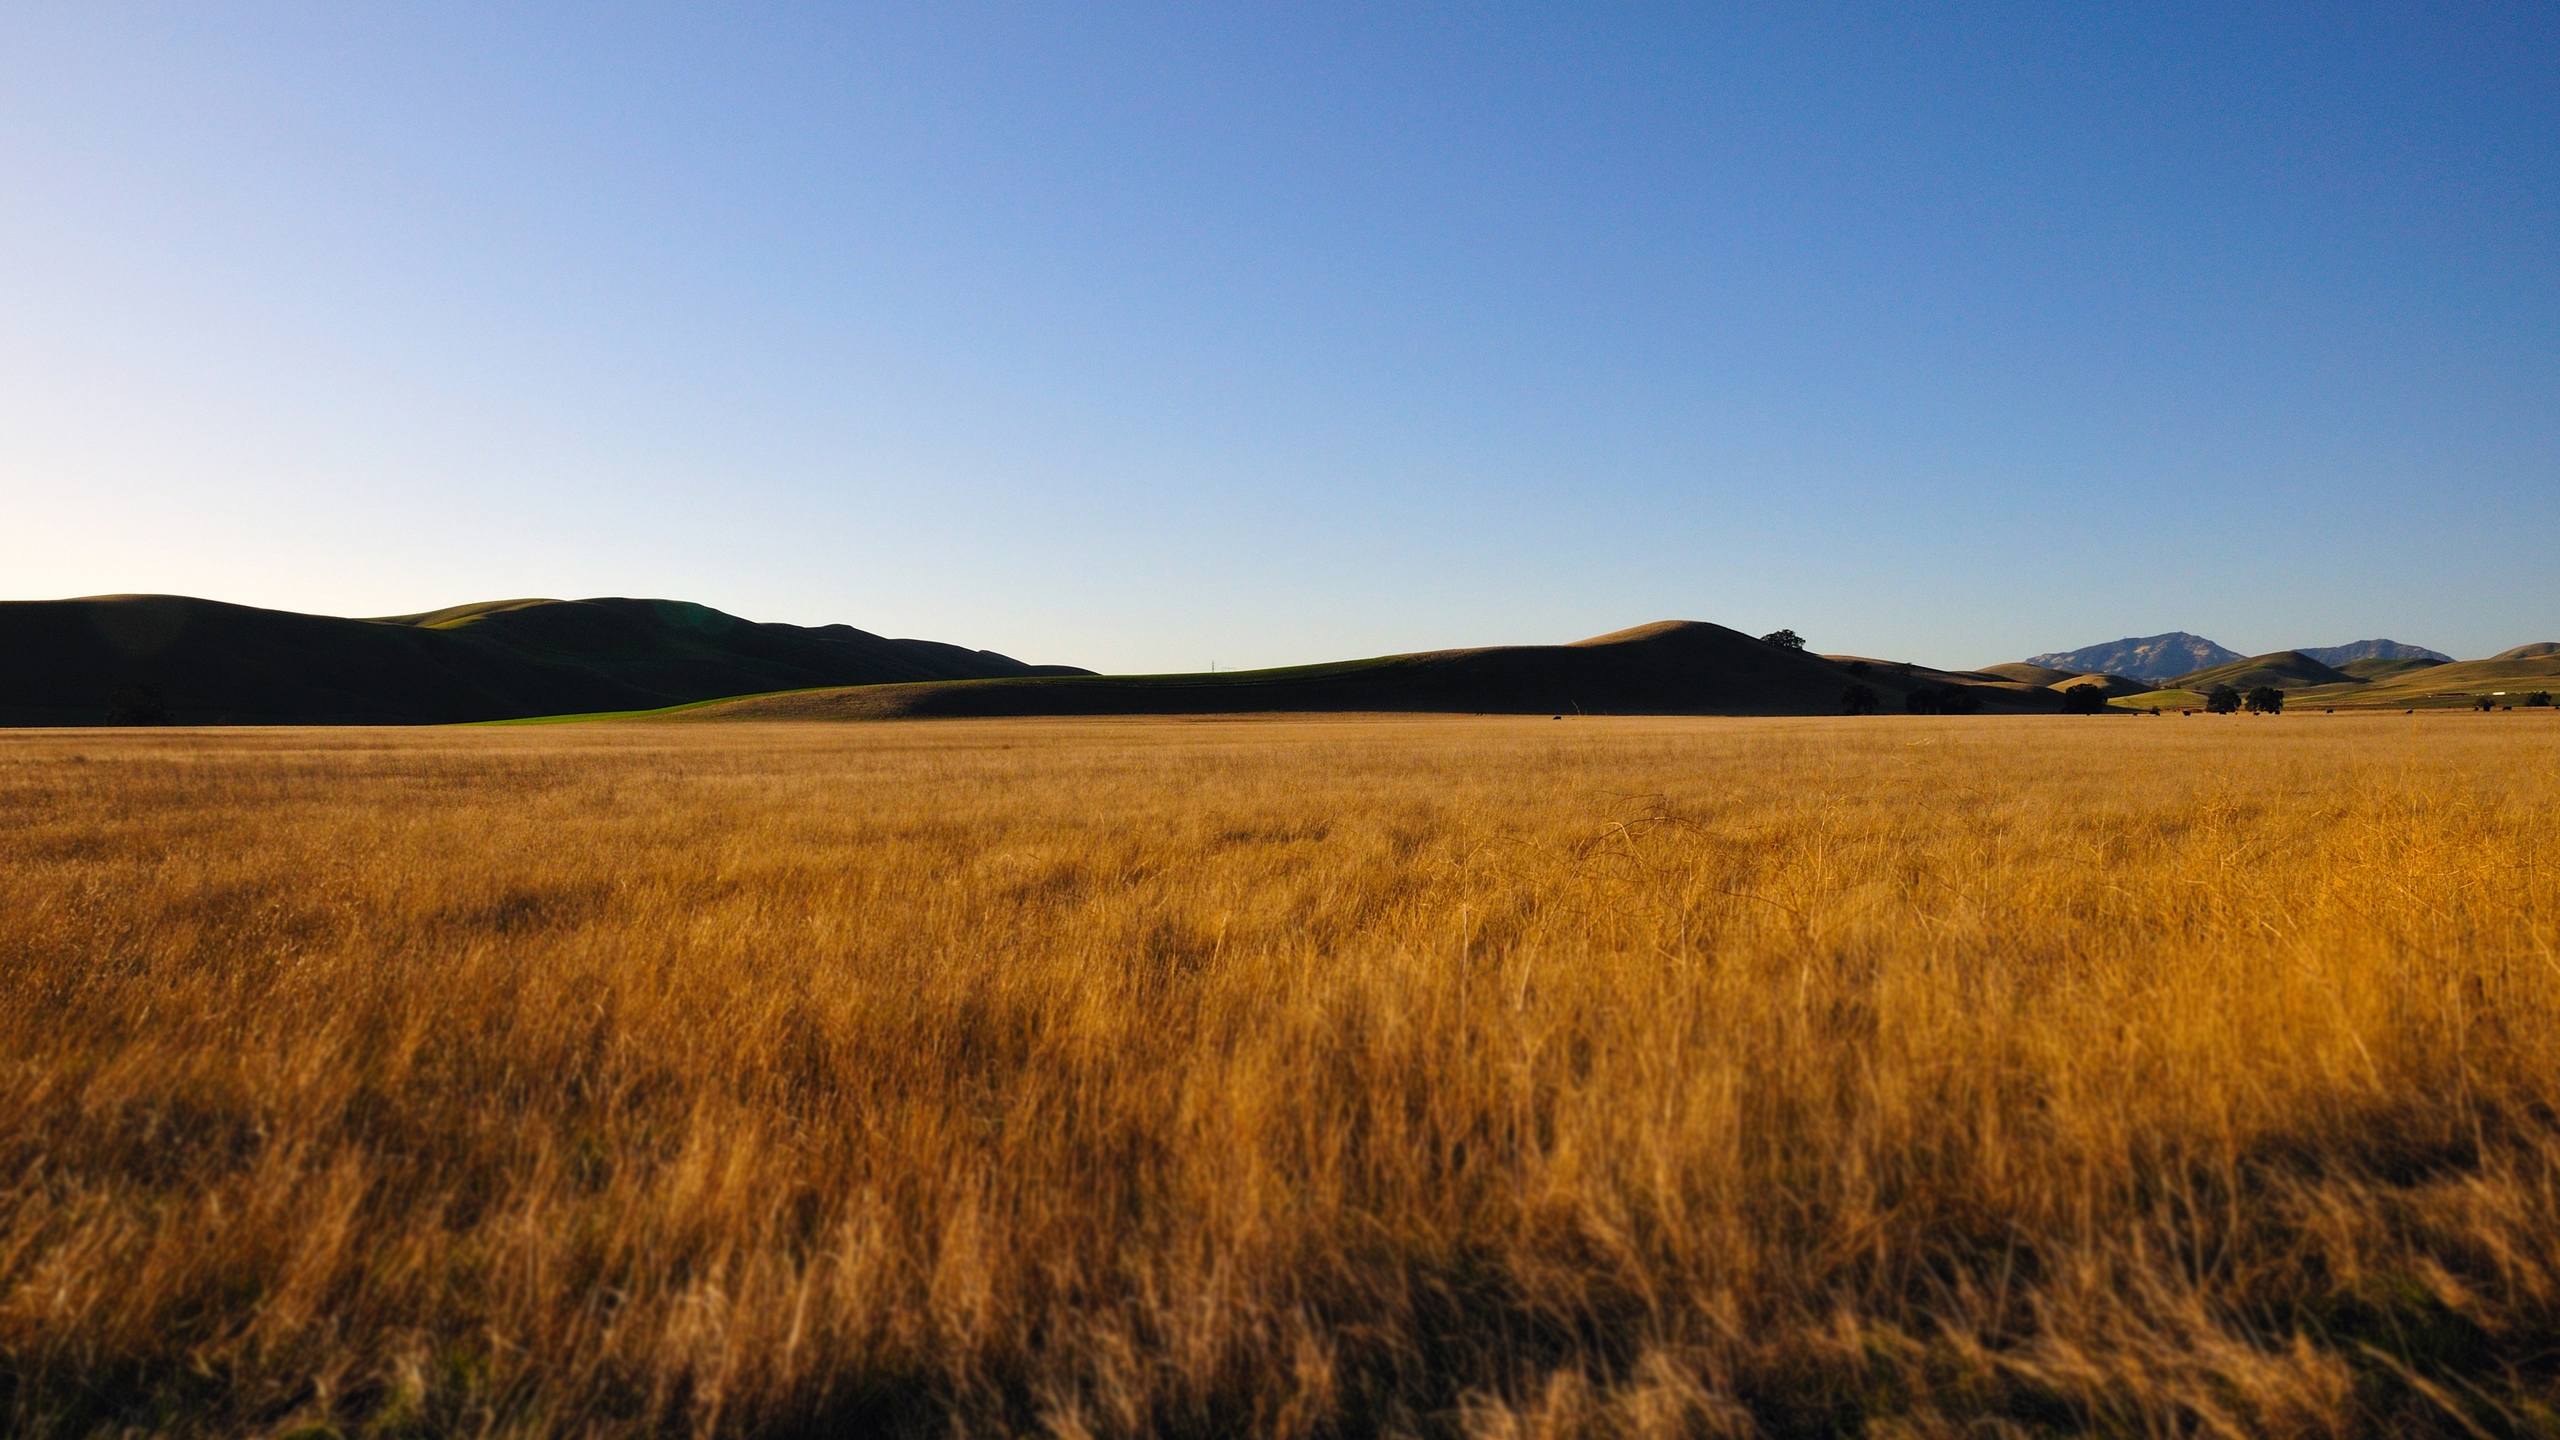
(2160, 700)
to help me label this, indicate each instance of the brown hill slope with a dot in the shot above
(2113, 685)
(2027, 673)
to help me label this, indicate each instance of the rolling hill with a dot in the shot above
(2374, 684)
(2283, 669)
(2149, 657)
(172, 658)
(2026, 672)
(2376, 668)
(2507, 678)
(1679, 667)
(2167, 699)
(1913, 674)
(2114, 685)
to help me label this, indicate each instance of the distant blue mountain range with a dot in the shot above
(2166, 657)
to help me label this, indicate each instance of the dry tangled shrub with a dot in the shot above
(1406, 1076)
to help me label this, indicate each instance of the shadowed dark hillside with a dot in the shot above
(2283, 670)
(1676, 667)
(2377, 667)
(173, 659)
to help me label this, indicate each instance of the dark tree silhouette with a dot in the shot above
(2223, 701)
(1942, 700)
(137, 705)
(2266, 700)
(2084, 699)
(2484, 703)
(2538, 700)
(1859, 700)
(1784, 639)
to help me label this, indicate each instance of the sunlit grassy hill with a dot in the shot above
(2168, 699)
(2507, 679)
(2115, 685)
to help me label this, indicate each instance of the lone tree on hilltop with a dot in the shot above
(2266, 700)
(1784, 639)
(1859, 700)
(2084, 699)
(2223, 701)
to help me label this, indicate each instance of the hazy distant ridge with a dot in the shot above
(2355, 650)
(2178, 653)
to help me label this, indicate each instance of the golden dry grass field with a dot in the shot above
(1425, 1076)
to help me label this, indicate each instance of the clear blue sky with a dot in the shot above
(1150, 337)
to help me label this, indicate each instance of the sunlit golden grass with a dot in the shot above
(1424, 1076)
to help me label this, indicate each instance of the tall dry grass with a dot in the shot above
(1488, 1076)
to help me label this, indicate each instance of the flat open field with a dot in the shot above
(1512, 1077)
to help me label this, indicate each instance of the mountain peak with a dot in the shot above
(2144, 657)
(2355, 650)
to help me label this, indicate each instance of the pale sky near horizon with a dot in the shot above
(1142, 338)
